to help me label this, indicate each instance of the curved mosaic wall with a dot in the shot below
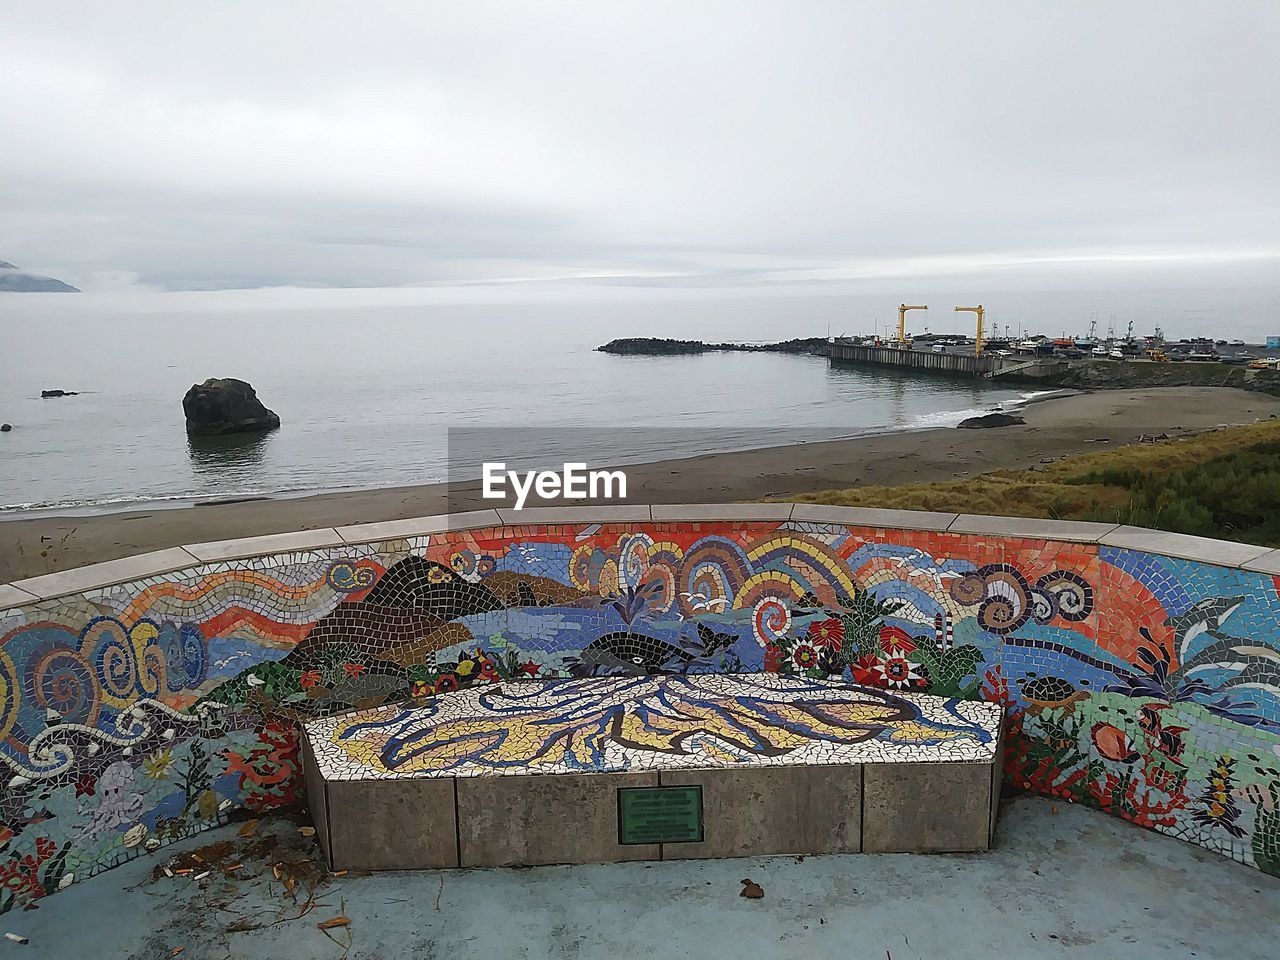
(135, 714)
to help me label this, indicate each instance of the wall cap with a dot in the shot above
(1223, 553)
(1070, 531)
(1267, 563)
(710, 512)
(97, 576)
(873, 517)
(621, 513)
(107, 574)
(11, 597)
(242, 548)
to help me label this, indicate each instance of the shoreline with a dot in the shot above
(189, 501)
(1056, 426)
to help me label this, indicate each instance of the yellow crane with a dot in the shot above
(902, 321)
(977, 342)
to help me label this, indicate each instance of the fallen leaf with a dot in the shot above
(176, 950)
(307, 831)
(751, 890)
(249, 829)
(334, 922)
(242, 926)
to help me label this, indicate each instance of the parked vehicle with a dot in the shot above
(1116, 354)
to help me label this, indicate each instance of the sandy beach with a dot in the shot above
(38, 544)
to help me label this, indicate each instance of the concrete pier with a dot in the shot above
(946, 364)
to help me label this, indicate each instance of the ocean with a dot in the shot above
(368, 383)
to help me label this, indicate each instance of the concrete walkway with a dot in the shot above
(1066, 884)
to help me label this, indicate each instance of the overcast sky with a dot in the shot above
(691, 143)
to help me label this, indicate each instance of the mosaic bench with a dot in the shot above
(647, 768)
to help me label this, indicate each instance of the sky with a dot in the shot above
(697, 144)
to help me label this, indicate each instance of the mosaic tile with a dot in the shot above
(650, 723)
(1145, 686)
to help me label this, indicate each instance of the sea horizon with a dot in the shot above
(368, 381)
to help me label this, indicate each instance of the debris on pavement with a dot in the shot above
(751, 890)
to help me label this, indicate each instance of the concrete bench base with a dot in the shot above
(489, 778)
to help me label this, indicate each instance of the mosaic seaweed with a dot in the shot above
(1145, 686)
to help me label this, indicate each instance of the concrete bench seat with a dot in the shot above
(654, 767)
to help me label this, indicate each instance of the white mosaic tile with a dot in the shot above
(650, 723)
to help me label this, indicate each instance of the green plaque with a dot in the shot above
(660, 814)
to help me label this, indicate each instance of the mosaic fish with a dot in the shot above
(638, 655)
(1113, 743)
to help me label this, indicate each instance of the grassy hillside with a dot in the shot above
(1224, 484)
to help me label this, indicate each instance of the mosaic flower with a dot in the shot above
(353, 670)
(805, 656)
(897, 672)
(828, 634)
(896, 638)
(446, 683)
(309, 679)
(868, 671)
(157, 765)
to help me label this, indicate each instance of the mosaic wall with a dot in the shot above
(138, 714)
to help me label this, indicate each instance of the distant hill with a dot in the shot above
(16, 280)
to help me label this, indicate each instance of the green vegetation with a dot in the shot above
(1224, 484)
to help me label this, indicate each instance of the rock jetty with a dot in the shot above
(662, 347)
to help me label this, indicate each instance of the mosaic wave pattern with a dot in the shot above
(131, 716)
(650, 723)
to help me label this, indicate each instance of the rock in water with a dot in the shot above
(990, 420)
(46, 394)
(5, 427)
(226, 406)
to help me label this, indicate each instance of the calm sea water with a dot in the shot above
(368, 382)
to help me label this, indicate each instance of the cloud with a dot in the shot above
(718, 143)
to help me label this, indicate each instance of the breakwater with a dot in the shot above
(661, 347)
(954, 364)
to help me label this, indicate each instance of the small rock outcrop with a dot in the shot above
(5, 427)
(220, 406)
(46, 394)
(990, 420)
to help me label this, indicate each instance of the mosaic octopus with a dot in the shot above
(117, 807)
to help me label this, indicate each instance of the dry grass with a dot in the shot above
(1057, 490)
